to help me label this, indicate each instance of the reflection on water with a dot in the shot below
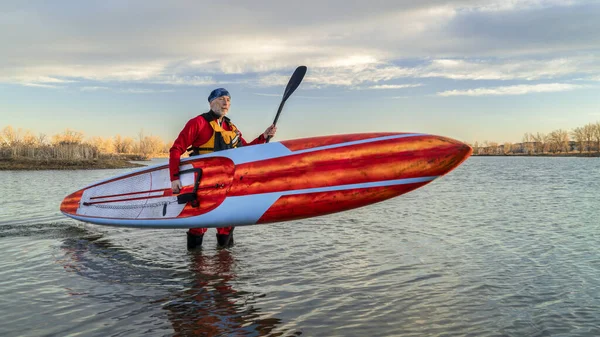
(210, 306)
(200, 301)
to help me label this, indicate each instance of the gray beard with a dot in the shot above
(218, 111)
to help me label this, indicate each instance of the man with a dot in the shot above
(209, 132)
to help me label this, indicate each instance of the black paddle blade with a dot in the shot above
(294, 82)
(292, 85)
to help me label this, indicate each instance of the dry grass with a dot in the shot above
(23, 163)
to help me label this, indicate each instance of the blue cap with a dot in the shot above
(218, 93)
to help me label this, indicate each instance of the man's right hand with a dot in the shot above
(176, 186)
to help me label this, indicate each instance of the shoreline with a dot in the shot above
(582, 155)
(29, 164)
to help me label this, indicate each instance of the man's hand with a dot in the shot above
(176, 186)
(270, 131)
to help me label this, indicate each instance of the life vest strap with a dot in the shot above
(194, 150)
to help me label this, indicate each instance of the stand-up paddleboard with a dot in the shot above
(271, 182)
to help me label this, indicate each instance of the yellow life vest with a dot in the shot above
(220, 139)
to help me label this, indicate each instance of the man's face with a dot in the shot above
(221, 105)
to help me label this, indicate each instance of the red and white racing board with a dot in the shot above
(271, 182)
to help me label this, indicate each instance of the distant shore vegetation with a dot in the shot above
(22, 149)
(582, 141)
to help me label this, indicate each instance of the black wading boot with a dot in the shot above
(225, 240)
(194, 241)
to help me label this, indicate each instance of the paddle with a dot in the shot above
(292, 85)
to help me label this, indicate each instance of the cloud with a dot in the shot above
(368, 44)
(511, 69)
(94, 88)
(184, 80)
(39, 85)
(126, 90)
(354, 72)
(142, 91)
(512, 5)
(63, 73)
(46, 79)
(267, 95)
(512, 90)
(395, 86)
(379, 72)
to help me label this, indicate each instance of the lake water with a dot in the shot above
(501, 246)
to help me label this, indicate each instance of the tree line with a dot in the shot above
(72, 145)
(582, 140)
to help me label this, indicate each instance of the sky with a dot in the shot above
(467, 69)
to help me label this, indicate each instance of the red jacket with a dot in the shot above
(196, 132)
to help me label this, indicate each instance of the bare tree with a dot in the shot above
(579, 138)
(166, 148)
(494, 148)
(507, 149)
(3, 140)
(528, 143)
(68, 137)
(485, 148)
(558, 141)
(29, 139)
(475, 148)
(41, 139)
(104, 145)
(11, 136)
(123, 145)
(539, 142)
(596, 135)
(588, 136)
(148, 145)
(563, 135)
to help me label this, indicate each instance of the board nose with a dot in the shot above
(459, 153)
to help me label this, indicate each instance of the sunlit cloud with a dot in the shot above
(350, 61)
(512, 90)
(46, 79)
(39, 85)
(356, 73)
